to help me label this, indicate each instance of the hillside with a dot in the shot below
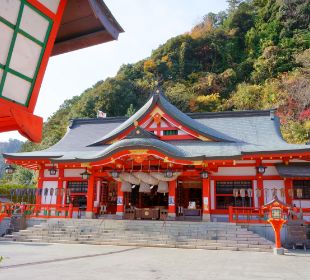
(254, 56)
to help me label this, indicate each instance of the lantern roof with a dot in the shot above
(85, 23)
(276, 202)
(32, 31)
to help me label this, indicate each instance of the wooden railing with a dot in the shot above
(37, 210)
(249, 215)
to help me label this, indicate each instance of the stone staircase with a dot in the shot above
(170, 234)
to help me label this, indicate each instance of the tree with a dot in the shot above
(180, 95)
(130, 111)
(247, 97)
(233, 5)
(206, 103)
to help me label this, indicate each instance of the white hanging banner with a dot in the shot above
(162, 187)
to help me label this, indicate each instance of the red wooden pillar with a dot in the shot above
(260, 187)
(60, 186)
(120, 200)
(206, 199)
(171, 199)
(40, 185)
(288, 186)
(90, 196)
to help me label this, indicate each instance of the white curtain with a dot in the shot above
(162, 187)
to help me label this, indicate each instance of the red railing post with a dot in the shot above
(70, 210)
(230, 211)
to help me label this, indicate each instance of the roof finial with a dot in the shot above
(158, 86)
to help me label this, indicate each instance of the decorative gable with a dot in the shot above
(163, 119)
(166, 128)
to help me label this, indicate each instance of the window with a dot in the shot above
(225, 197)
(170, 132)
(77, 187)
(304, 185)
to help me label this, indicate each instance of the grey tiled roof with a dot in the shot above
(243, 132)
(294, 170)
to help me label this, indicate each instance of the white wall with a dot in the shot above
(235, 171)
(73, 172)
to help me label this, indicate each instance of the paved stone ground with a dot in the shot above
(25, 261)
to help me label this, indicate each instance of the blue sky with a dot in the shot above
(147, 24)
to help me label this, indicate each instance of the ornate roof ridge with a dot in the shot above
(198, 115)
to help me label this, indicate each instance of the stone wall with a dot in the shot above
(5, 223)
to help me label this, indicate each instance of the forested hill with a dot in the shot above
(254, 56)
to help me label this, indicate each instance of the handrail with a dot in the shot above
(246, 215)
(37, 210)
(250, 215)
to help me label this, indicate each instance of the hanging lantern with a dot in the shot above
(9, 169)
(261, 169)
(85, 175)
(168, 173)
(28, 30)
(235, 192)
(53, 170)
(115, 174)
(299, 193)
(204, 175)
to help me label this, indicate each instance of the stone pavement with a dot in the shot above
(36, 261)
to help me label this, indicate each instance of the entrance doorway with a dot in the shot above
(189, 198)
(145, 205)
(152, 199)
(108, 197)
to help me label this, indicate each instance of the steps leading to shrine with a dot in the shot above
(171, 234)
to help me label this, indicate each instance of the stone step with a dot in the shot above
(216, 236)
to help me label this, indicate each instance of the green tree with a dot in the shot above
(130, 111)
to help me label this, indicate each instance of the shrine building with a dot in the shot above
(162, 163)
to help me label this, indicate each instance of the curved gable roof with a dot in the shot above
(171, 110)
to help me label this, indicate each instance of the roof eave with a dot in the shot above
(73, 37)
